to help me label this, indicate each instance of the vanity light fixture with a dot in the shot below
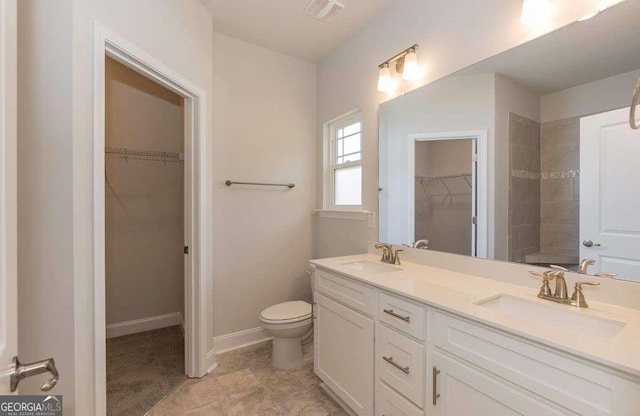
(384, 78)
(406, 65)
(535, 12)
(591, 15)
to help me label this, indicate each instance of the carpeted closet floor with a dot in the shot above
(142, 369)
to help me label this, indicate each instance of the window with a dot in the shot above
(345, 162)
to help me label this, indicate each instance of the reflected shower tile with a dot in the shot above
(524, 190)
(560, 212)
(558, 189)
(559, 235)
(524, 213)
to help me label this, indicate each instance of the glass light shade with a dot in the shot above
(410, 70)
(384, 78)
(535, 12)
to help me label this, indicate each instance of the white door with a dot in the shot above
(610, 193)
(466, 391)
(343, 353)
(8, 252)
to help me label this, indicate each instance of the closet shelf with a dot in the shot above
(446, 183)
(144, 154)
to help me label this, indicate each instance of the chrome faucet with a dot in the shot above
(560, 293)
(584, 265)
(388, 254)
(422, 244)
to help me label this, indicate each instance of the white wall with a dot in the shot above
(592, 98)
(144, 199)
(449, 40)
(264, 125)
(55, 164)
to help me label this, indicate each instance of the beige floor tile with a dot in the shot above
(239, 382)
(245, 384)
(304, 405)
(251, 402)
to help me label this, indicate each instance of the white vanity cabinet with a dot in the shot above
(344, 341)
(463, 390)
(504, 375)
(387, 355)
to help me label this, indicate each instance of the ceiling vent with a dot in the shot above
(325, 10)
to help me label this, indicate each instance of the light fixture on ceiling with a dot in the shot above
(324, 10)
(535, 12)
(406, 65)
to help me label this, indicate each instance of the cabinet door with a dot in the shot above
(343, 353)
(467, 391)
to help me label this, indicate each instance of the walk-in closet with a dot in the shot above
(144, 210)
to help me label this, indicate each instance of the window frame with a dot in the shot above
(331, 165)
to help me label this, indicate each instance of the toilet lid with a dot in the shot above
(287, 311)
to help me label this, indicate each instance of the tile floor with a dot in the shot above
(244, 383)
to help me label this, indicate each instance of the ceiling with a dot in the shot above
(577, 54)
(281, 25)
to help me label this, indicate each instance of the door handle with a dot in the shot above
(589, 243)
(18, 372)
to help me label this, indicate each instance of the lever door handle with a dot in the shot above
(19, 371)
(589, 243)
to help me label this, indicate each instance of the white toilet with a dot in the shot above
(287, 323)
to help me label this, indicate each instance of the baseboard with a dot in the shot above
(144, 324)
(211, 361)
(240, 339)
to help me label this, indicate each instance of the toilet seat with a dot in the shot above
(286, 313)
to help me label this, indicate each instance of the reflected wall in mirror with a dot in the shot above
(527, 156)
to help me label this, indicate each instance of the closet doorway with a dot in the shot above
(144, 230)
(447, 196)
(196, 202)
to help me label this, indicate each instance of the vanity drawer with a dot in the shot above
(349, 292)
(390, 403)
(569, 382)
(402, 314)
(400, 363)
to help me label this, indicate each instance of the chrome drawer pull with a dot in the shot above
(396, 365)
(395, 315)
(435, 393)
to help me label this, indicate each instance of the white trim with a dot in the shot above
(199, 192)
(211, 360)
(342, 214)
(482, 213)
(144, 324)
(239, 339)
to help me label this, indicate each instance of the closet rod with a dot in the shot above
(229, 183)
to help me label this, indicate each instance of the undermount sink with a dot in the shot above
(560, 317)
(372, 267)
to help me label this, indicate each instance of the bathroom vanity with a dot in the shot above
(417, 340)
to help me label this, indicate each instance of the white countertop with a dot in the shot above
(458, 293)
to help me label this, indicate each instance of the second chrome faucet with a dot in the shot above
(560, 295)
(388, 254)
